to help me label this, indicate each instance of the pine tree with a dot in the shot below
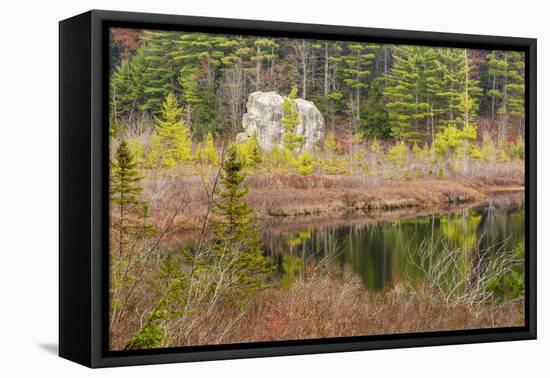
(127, 89)
(466, 108)
(128, 228)
(374, 121)
(355, 73)
(173, 282)
(124, 194)
(413, 88)
(172, 143)
(497, 66)
(448, 84)
(160, 74)
(119, 99)
(290, 120)
(199, 57)
(152, 333)
(405, 91)
(515, 88)
(236, 241)
(456, 90)
(189, 80)
(506, 71)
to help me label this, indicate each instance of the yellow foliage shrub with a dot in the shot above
(398, 154)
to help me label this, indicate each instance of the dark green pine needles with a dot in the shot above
(236, 239)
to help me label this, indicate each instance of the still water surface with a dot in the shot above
(384, 251)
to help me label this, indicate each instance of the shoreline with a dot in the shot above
(409, 196)
(278, 225)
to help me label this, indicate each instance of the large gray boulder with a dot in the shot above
(263, 118)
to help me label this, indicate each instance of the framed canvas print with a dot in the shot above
(233, 188)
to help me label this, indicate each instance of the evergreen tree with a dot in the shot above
(199, 57)
(189, 80)
(461, 129)
(515, 88)
(172, 143)
(173, 282)
(497, 67)
(448, 84)
(457, 91)
(152, 333)
(236, 239)
(506, 70)
(127, 89)
(355, 73)
(124, 194)
(405, 85)
(290, 120)
(160, 75)
(128, 227)
(467, 106)
(333, 94)
(375, 122)
(410, 108)
(120, 100)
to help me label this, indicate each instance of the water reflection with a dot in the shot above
(381, 252)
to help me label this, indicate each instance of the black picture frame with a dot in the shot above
(84, 177)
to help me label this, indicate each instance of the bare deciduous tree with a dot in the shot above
(233, 93)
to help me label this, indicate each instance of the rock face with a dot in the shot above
(263, 117)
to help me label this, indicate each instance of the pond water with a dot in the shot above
(384, 251)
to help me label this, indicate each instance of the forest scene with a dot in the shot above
(269, 189)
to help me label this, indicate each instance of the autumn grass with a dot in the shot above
(332, 305)
(325, 303)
